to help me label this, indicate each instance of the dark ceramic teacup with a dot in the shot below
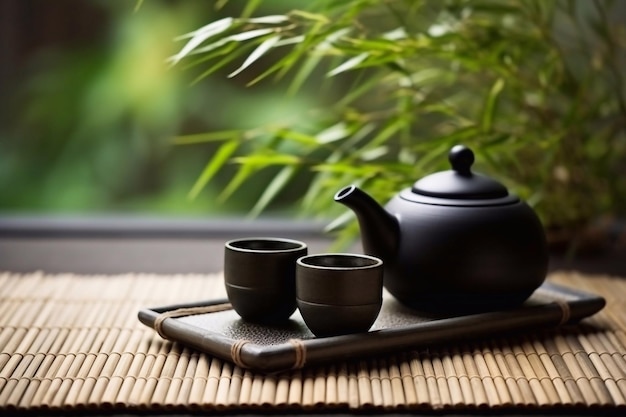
(339, 293)
(259, 275)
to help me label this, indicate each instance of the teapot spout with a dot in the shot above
(379, 229)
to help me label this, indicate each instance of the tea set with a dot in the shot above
(456, 242)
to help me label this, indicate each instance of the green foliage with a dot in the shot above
(535, 87)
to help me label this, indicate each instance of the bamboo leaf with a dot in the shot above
(278, 183)
(268, 159)
(290, 41)
(490, 105)
(218, 160)
(243, 173)
(229, 57)
(206, 137)
(310, 16)
(303, 73)
(340, 221)
(334, 133)
(390, 128)
(365, 85)
(271, 70)
(251, 34)
(297, 137)
(271, 19)
(349, 64)
(251, 6)
(302, 48)
(201, 35)
(260, 50)
(374, 153)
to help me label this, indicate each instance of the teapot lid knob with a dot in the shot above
(461, 158)
(460, 183)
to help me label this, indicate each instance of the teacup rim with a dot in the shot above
(299, 245)
(377, 261)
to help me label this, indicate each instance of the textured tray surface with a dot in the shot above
(278, 348)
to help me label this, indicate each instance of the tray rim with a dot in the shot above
(573, 306)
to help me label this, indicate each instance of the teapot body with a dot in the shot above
(464, 258)
(457, 241)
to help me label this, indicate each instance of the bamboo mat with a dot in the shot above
(71, 342)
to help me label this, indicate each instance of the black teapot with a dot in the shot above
(456, 241)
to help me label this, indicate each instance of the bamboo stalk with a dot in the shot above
(295, 389)
(11, 382)
(375, 385)
(388, 399)
(563, 371)
(478, 389)
(26, 401)
(172, 394)
(589, 370)
(65, 338)
(213, 380)
(489, 385)
(517, 373)
(449, 373)
(320, 382)
(246, 388)
(464, 381)
(552, 373)
(610, 339)
(517, 397)
(126, 357)
(223, 387)
(366, 398)
(113, 356)
(419, 381)
(501, 389)
(573, 371)
(11, 396)
(353, 386)
(72, 362)
(342, 389)
(441, 366)
(306, 399)
(397, 387)
(163, 380)
(435, 397)
(8, 308)
(255, 390)
(330, 393)
(610, 354)
(541, 396)
(20, 379)
(151, 378)
(103, 342)
(124, 396)
(184, 394)
(606, 376)
(199, 380)
(141, 368)
(235, 388)
(343, 385)
(281, 398)
(268, 391)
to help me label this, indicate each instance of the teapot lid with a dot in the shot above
(460, 184)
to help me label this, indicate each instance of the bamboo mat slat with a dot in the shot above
(70, 342)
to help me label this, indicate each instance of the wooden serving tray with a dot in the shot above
(215, 328)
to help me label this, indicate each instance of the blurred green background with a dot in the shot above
(90, 108)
